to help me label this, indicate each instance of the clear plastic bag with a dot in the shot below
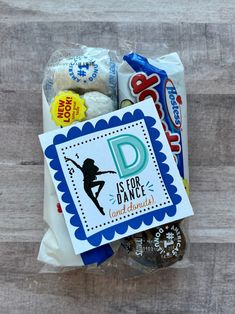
(93, 73)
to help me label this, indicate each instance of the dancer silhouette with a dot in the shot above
(90, 172)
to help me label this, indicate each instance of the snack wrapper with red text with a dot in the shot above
(162, 79)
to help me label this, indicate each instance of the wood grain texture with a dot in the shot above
(213, 199)
(203, 33)
(207, 286)
(119, 11)
(210, 118)
(207, 50)
(21, 195)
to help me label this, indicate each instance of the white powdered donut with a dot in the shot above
(85, 73)
(97, 104)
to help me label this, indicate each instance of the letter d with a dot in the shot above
(139, 154)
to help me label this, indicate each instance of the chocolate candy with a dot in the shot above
(158, 247)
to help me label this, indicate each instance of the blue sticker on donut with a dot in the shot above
(83, 69)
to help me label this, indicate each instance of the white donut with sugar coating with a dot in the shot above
(85, 73)
(97, 104)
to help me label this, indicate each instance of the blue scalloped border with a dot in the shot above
(135, 223)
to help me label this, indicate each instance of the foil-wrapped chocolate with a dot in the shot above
(158, 247)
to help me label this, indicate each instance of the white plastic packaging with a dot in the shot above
(100, 97)
(86, 69)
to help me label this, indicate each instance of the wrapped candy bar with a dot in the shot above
(162, 79)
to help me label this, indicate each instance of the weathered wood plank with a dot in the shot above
(211, 129)
(119, 11)
(21, 195)
(20, 144)
(208, 286)
(206, 50)
(203, 33)
(212, 196)
(213, 199)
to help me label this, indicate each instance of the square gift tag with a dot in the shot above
(115, 176)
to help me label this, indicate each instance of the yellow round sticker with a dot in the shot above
(67, 107)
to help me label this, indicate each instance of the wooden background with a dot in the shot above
(203, 33)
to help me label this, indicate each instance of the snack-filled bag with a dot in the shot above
(79, 84)
(114, 186)
(162, 79)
